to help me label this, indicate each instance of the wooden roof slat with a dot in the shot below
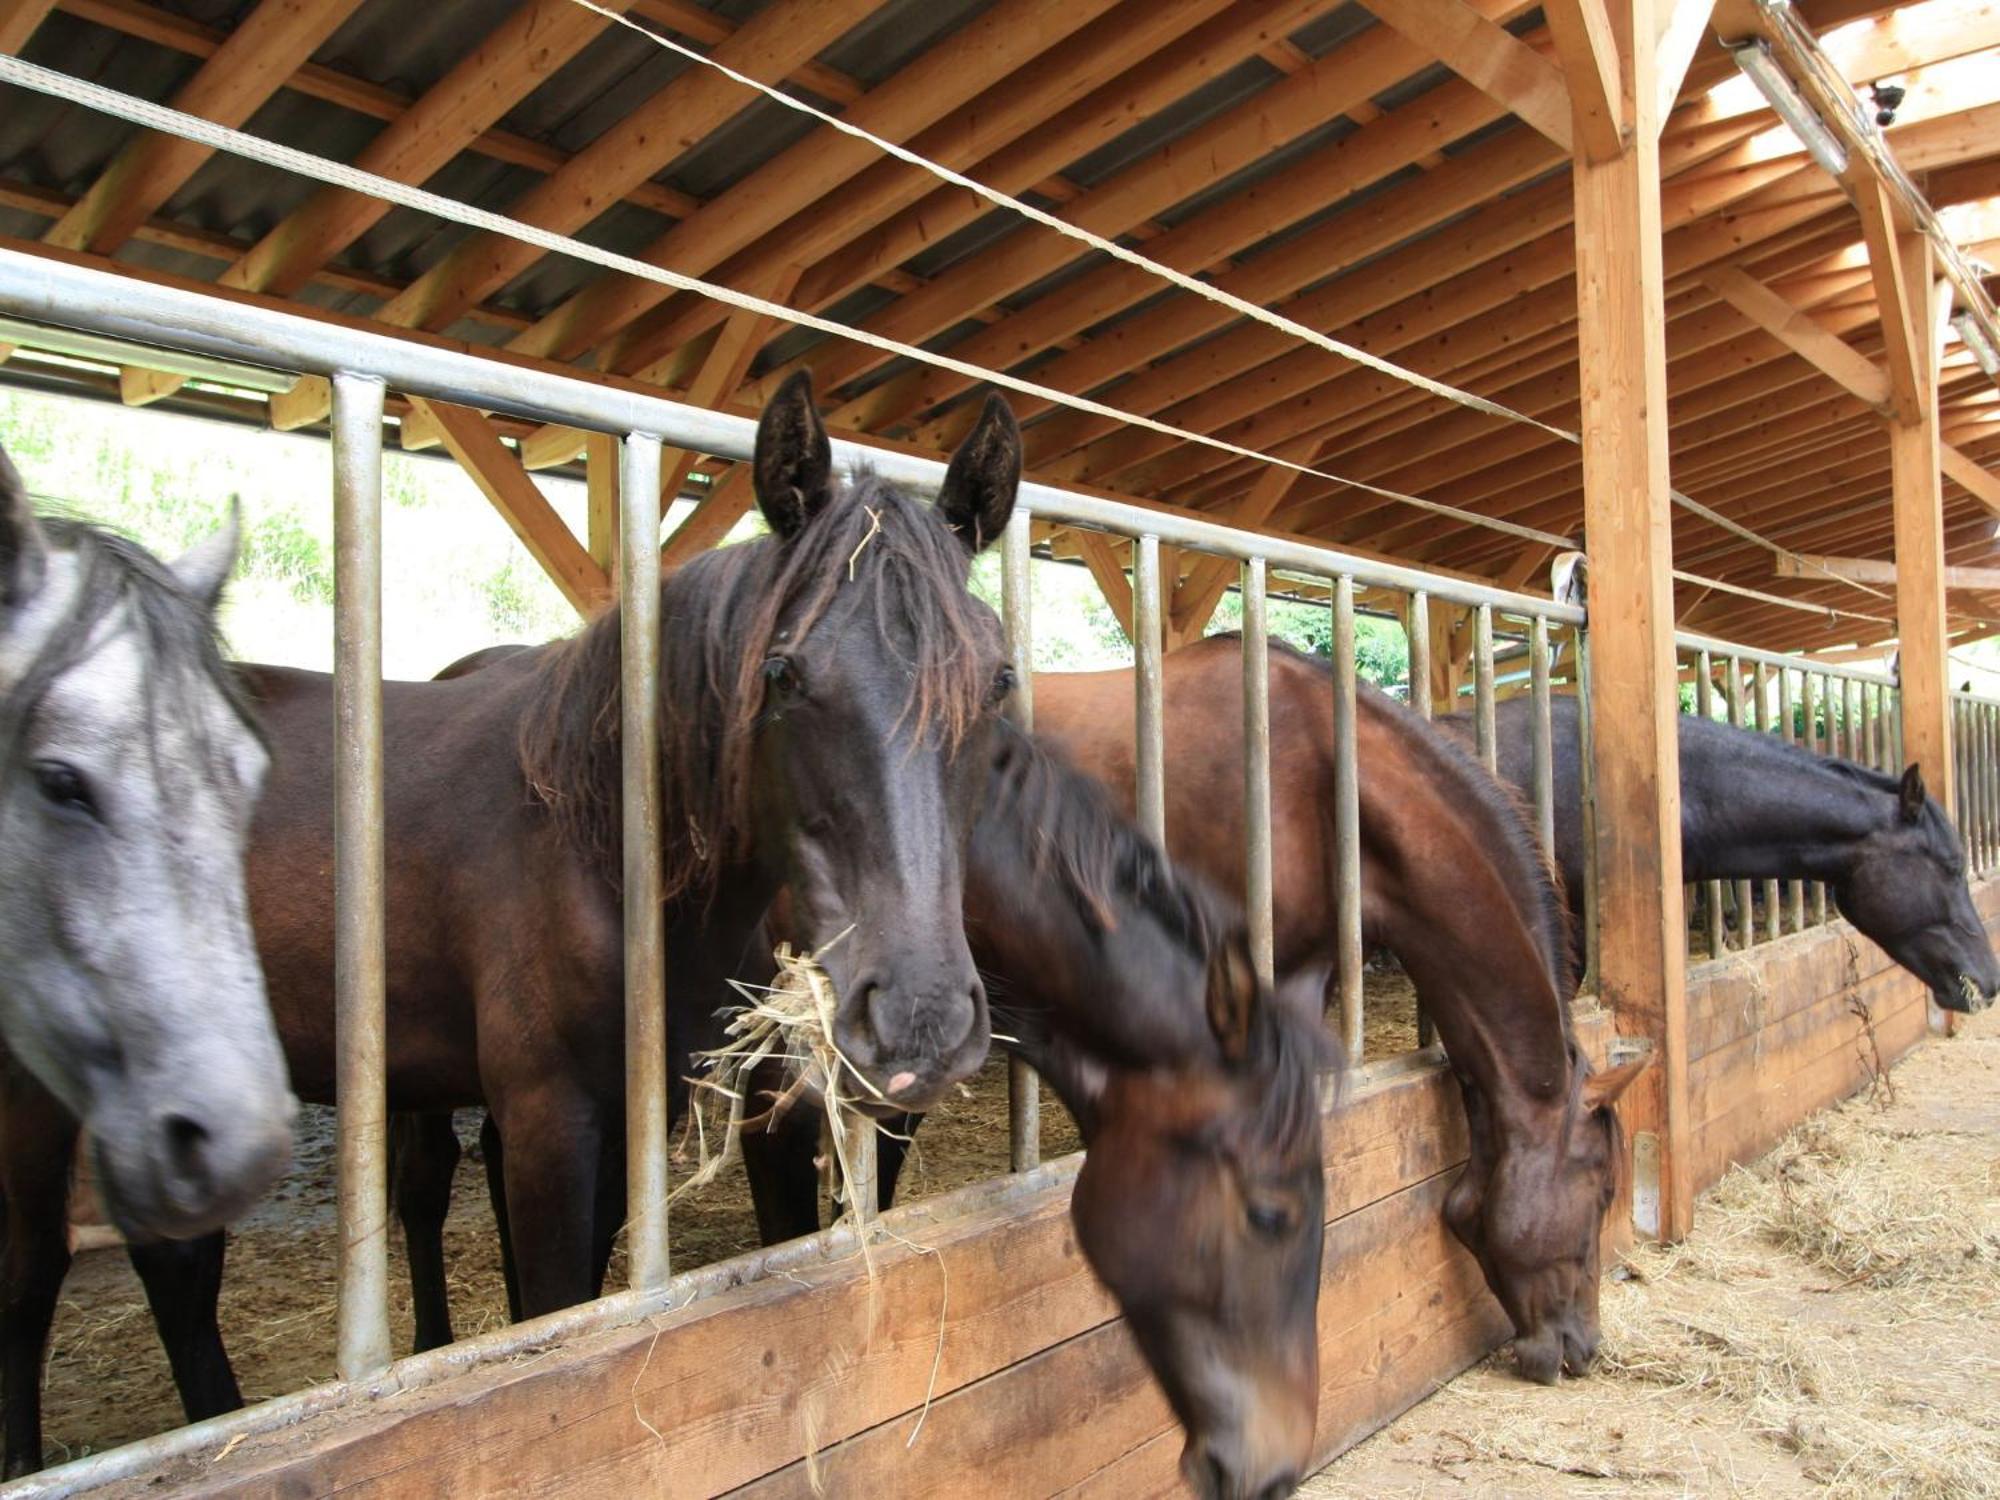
(1489, 57)
(960, 67)
(1978, 481)
(18, 20)
(271, 44)
(1815, 566)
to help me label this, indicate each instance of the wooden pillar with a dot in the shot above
(1451, 654)
(601, 457)
(1634, 684)
(1919, 506)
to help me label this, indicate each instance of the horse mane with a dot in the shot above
(721, 616)
(176, 632)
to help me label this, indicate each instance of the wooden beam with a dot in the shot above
(270, 45)
(1813, 565)
(711, 520)
(1919, 515)
(1683, 24)
(1487, 56)
(1897, 299)
(18, 20)
(1195, 596)
(1102, 559)
(1621, 349)
(503, 481)
(1976, 480)
(601, 468)
(1589, 50)
(1797, 331)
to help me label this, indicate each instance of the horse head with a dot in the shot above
(129, 981)
(1905, 888)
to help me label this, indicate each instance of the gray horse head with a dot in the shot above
(129, 982)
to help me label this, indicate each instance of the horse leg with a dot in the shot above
(423, 1156)
(496, 1193)
(183, 1282)
(784, 1182)
(551, 1170)
(37, 1145)
(892, 1149)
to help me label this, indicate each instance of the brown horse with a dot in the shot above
(828, 693)
(1452, 883)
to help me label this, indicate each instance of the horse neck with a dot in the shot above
(1753, 808)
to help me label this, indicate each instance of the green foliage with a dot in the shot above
(284, 548)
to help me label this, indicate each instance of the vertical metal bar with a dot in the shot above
(1987, 780)
(1587, 785)
(1024, 1093)
(645, 935)
(1746, 917)
(1850, 718)
(1867, 757)
(1420, 655)
(1795, 890)
(1346, 821)
(1483, 684)
(1773, 915)
(1151, 749)
(1544, 749)
(361, 1127)
(1257, 769)
(1704, 705)
(1819, 729)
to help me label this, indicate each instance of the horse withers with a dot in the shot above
(129, 983)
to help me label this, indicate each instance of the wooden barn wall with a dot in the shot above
(1039, 1389)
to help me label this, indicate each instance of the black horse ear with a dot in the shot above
(1232, 997)
(977, 495)
(205, 567)
(792, 468)
(1910, 796)
(23, 552)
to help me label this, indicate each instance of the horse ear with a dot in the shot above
(979, 486)
(1600, 1089)
(1232, 996)
(1910, 796)
(792, 468)
(23, 551)
(205, 567)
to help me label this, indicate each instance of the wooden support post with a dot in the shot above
(602, 456)
(1450, 654)
(1919, 506)
(1633, 682)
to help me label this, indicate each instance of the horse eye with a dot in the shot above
(1004, 683)
(1268, 1219)
(781, 674)
(64, 786)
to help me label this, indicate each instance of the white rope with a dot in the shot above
(306, 164)
(1827, 610)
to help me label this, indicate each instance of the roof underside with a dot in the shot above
(1296, 152)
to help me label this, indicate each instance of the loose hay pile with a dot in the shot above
(1870, 1393)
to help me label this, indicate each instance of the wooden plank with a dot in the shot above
(1974, 478)
(1874, 570)
(503, 481)
(1683, 24)
(1621, 350)
(1589, 50)
(1897, 299)
(1914, 462)
(601, 471)
(1487, 56)
(1797, 331)
(1101, 557)
(18, 20)
(261, 53)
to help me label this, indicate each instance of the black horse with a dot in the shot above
(1756, 808)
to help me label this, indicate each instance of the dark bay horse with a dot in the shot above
(1756, 808)
(828, 693)
(129, 768)
(1453, 884)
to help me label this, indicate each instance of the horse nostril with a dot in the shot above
(187, 1142)
(1279, 1488)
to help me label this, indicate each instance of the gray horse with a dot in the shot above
(129, 983)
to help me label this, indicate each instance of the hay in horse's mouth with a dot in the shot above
(789, 1022)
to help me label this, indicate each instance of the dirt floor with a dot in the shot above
(107, 1377)
(1832, 1328)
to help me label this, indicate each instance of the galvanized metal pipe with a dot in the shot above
(645, 935)
(1819, 730)
(1773, 916)
(1346, 819)
(359, 954)
(1544, 748)
(1704, 705)
(1868, 756)
(1482, 652)
(1746, 916)
(1795, 890)
(1257, 770)
(1151, 748)
(1024, 1091)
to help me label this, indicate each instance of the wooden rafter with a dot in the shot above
(1588, 47)
(1874, 570)
(1683, 24)
(1796, 330)
(1487, 56)
(18, 20)
(1897, 300)
(503, 481)
(1976, 480)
